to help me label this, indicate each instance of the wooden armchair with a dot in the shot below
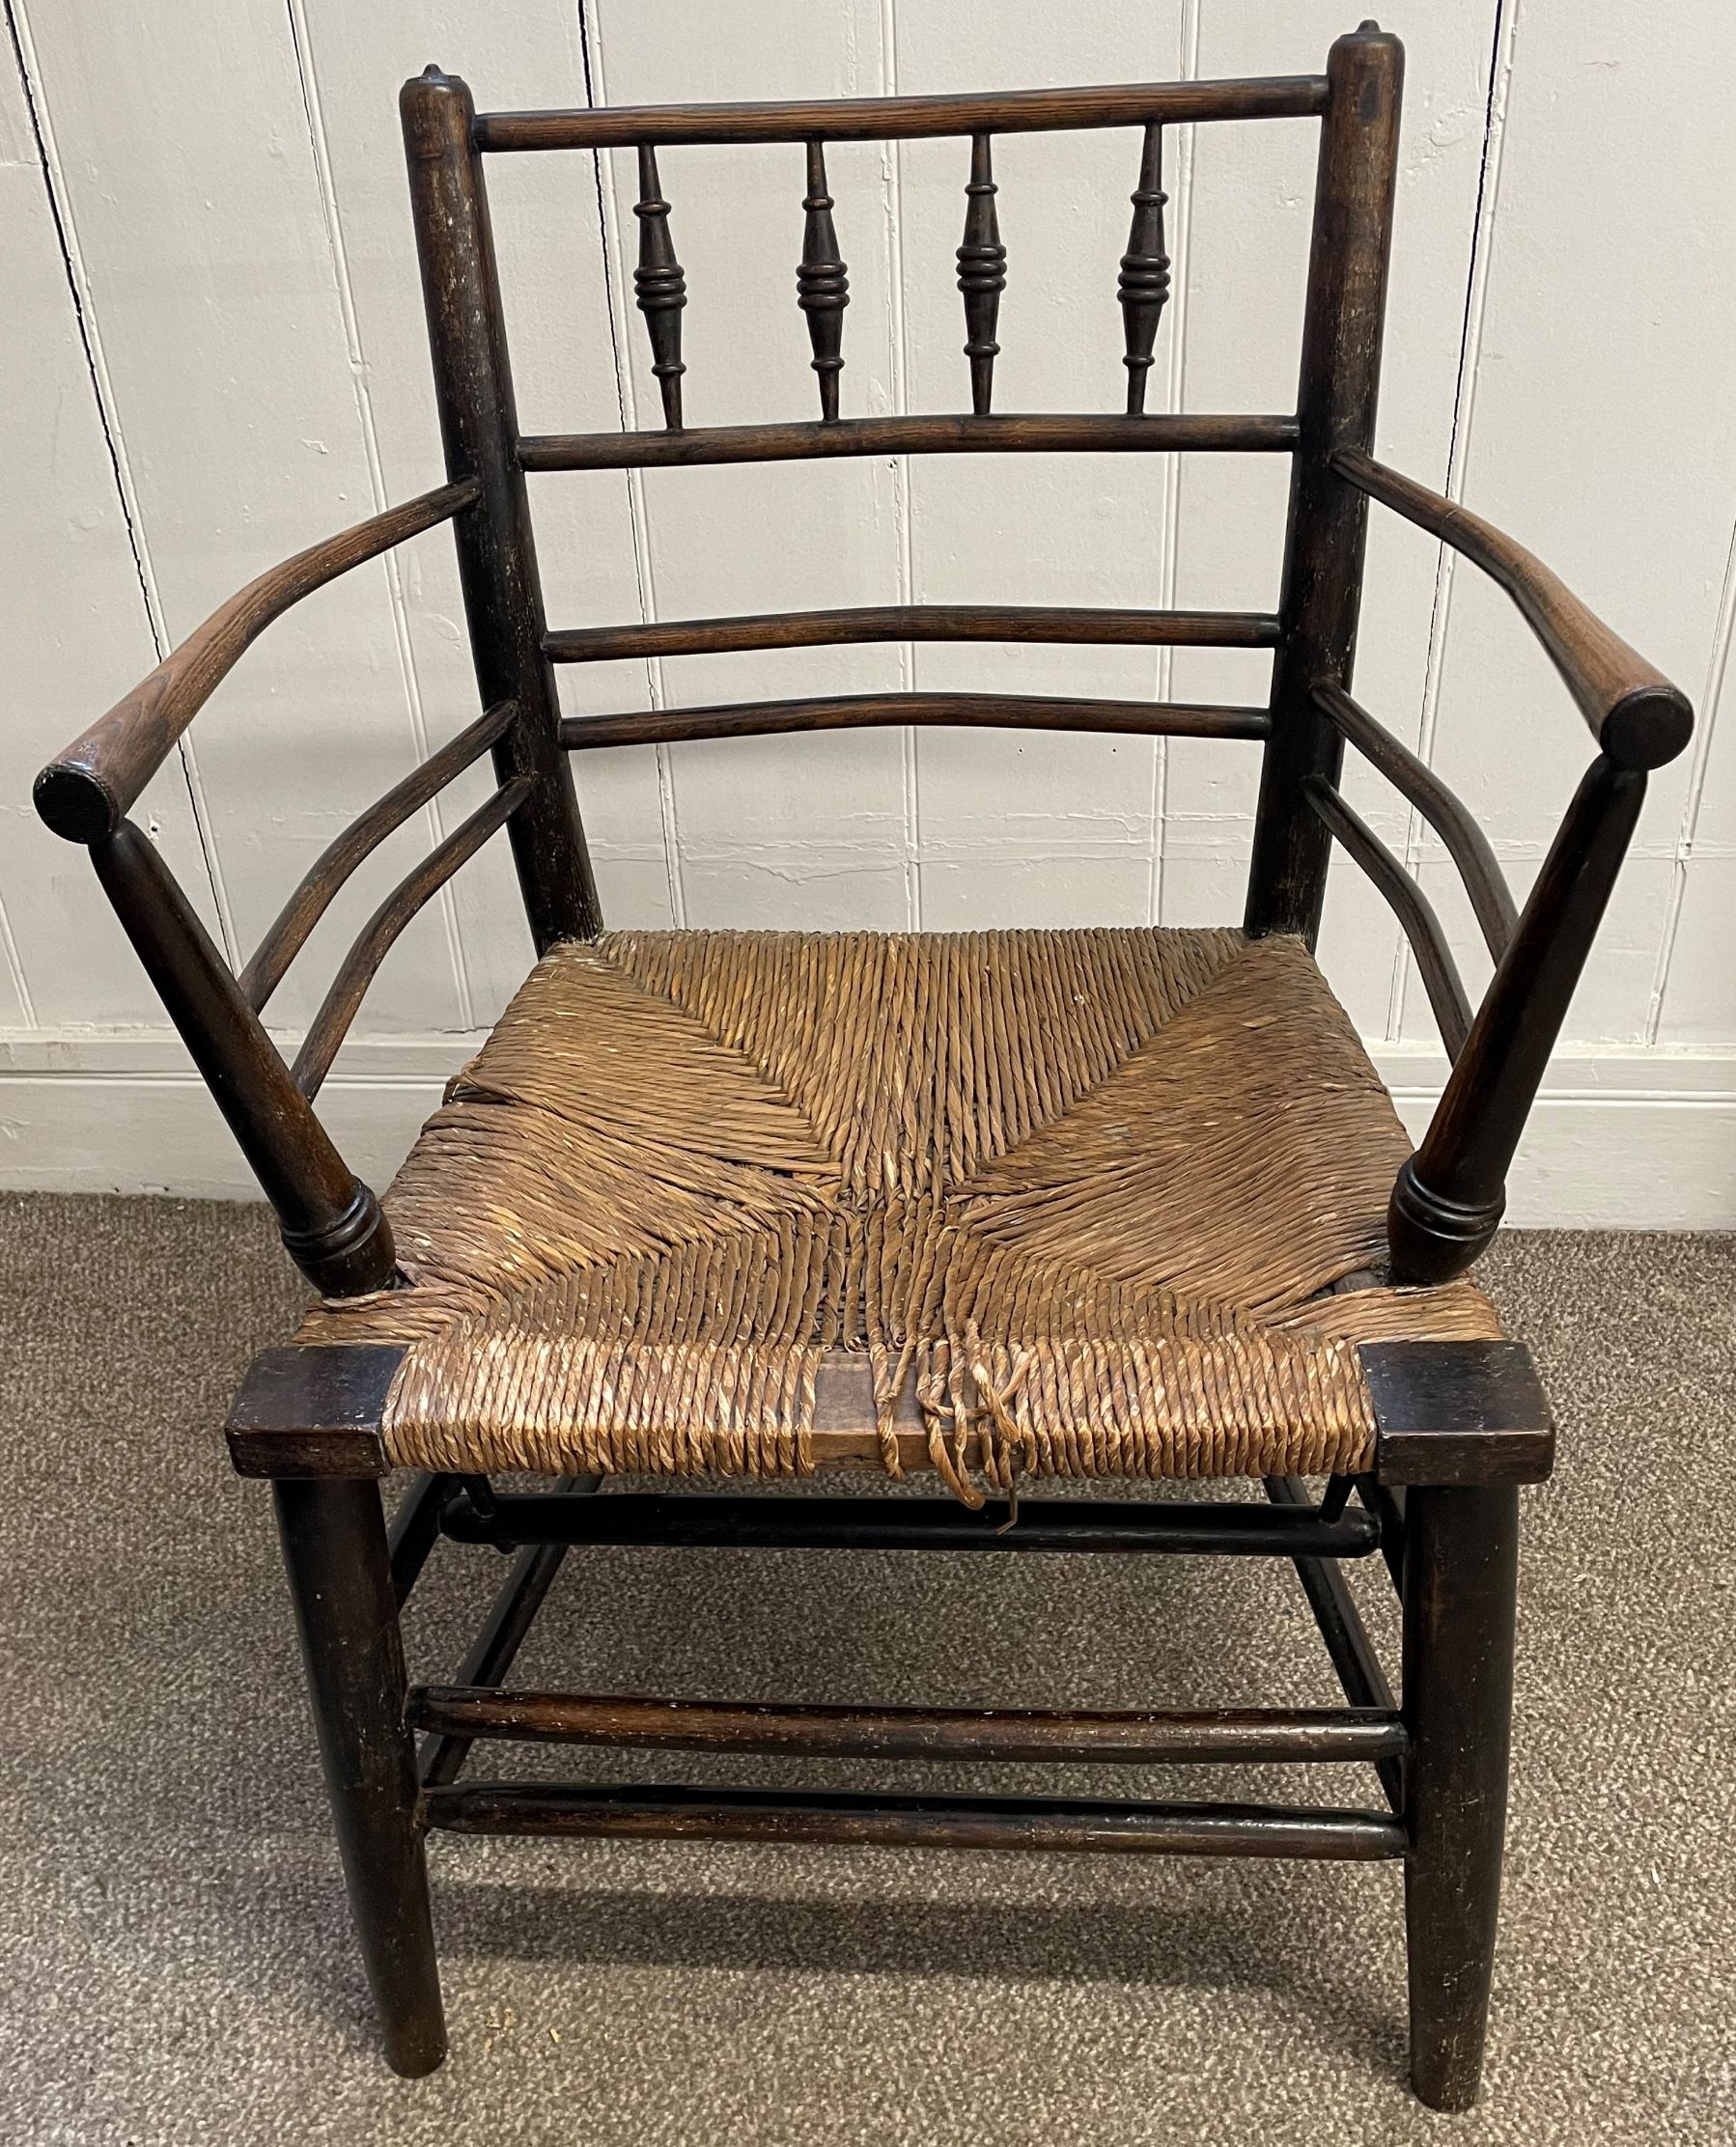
(1001, 1206)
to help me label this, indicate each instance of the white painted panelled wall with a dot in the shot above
(215, 354)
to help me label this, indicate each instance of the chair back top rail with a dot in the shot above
(847, 712)
(909, 118)
(813, 630)
(1053, 433)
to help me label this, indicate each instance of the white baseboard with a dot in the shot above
(1621, 1138)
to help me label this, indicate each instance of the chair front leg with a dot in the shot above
(334, 1546)
(1461, 1568)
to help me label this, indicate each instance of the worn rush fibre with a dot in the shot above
(1085, 1194)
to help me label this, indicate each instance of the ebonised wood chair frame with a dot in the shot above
(1460, 1426)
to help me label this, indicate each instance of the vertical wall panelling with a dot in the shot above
(1247, 263)
(770, 831)
(213, 280)
(74, 621)
(215, 353)
(1601, 435)
(1025, 828)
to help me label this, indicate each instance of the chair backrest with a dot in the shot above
(1356, 104)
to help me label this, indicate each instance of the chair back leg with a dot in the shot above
(1461, 1568)
(334, 1546)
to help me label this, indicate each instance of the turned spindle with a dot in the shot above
(821, 287)
(659, 287)
(982, 275)
(1143, 285)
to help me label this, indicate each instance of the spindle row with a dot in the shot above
(822, 284)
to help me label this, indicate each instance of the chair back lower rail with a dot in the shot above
(1092, 433)
(845, 712)
(863, 623)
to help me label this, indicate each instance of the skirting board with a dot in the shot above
(1622, 1138)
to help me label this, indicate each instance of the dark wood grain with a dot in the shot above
(1003, 712)
(502, 1634)
(313, 1411)
(334, 1551)
(982, 274)
(1466, 843)
(811, 630)
(413, 892)
(822, 284)
(659, 285)
(1203, 1738)
(1342, 327)
(496, 548)
(657, 1812)
(1458, 1412)
(906, 119)
(329, 1221)
(1045, 433)
(415, 1529)
(1143, 284)
(1638, 717)
(1346, 1640)
(87, 790)
(1461, 1576)
(1449, 1197)
(751, 1522)
(1413, 908)
(334, 865)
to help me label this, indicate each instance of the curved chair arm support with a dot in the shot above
(1450, 1195)
(333, 868)
(331, 1024)
(1408, 903)
(85, 794)
(1638, 717)
(1415, 780)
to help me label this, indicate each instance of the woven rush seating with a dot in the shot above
(1087, 1197)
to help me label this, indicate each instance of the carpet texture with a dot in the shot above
(175, 1957)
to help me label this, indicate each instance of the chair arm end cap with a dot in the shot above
(1646, 726)
(76, 804)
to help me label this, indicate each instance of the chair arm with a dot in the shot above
(1639, 718)
(86, 793)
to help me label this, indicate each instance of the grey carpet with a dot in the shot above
(175, 1961)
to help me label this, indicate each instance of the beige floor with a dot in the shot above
(174, 1964)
